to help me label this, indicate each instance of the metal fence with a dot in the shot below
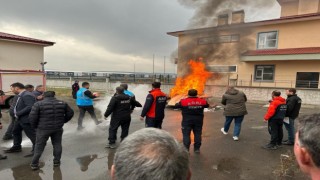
(276, 83)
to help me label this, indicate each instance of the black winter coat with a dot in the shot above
(120, 107)
(293, 105)
(50, 114)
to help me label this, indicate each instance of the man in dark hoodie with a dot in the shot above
(274, 116)
(293, 105)
(120, 107)
(235, 108)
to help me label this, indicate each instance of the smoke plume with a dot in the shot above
(207, 11)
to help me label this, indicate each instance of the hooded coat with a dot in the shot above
(235, 103)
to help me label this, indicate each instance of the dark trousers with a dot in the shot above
(153, 123)
(83, 110)
(196, 128)
(9, 131)
(17, 134)
(276, 131)
(290, 129)
(41, 142)
(114, 125)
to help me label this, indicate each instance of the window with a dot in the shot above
(268, 40)
(264, 73)
(307, 80)
(223, 69)
(219, 39)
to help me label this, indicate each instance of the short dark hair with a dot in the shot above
(18, 85)
(120, 90)
(192, 92)
(309, 131)
(85, 84)
(125, 86)
(276, 93)
(28, 86)
(156, 84)
(49, 94)
(293, 90)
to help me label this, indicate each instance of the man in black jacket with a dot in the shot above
(48, 117)
(121, 107)
(293, 104)
(21, 112)
(192, 118)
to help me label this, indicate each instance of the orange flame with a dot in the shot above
(195, 80)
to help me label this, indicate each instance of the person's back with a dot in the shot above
(234, 101)
(122, 106)
(192, 107)
(277, 109)
(53, 114)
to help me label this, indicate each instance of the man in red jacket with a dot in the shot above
(274, 116)
(154, 106)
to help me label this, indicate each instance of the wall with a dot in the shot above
(20, 56)
(309, 97)
(289, 8)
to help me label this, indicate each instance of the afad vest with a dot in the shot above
(158, 105)
(82, 99)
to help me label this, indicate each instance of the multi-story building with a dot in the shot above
(283, 52)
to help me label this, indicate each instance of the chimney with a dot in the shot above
(223, 19)
(238, 17)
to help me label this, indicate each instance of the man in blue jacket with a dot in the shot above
(85, 103)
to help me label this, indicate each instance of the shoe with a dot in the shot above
(98, 122)
(222, 130)
(13, 150)
(111, 146)
(279, 145)
(197, 151)
(80, 128)
(34, 166)
(288, 143)
(2, 157)
(7, 137)
(235, 138)
(56, 164)
(270, 147)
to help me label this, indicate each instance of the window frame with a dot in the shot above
(262, 80)
(222, 66)
(258, 40)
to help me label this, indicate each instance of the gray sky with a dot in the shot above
(105, 35)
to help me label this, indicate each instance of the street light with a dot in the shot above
(42, 65)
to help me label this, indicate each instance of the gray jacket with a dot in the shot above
(235, 103)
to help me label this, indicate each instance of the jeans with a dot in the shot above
(237, 124)
(196, 127)
(276, 131)
(41, 142)
(17, 134)
(114, 125)
(9, 131)
(290, 129)
(154, 123)
(83, 110)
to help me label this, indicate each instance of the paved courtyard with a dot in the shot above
(84, 156)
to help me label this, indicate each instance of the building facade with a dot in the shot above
(283, 52)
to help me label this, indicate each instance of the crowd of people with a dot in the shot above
(152, 153)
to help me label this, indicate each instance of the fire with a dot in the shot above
(195, 80)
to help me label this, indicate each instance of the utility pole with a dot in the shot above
(164, 65)
(134, 72)
(42, 65)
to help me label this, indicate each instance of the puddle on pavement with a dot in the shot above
(85, 161)
(229, 166)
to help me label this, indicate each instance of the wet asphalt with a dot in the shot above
(85, 157)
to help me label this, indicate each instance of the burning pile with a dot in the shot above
(196, 79)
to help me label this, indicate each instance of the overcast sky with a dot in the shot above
(106, 35)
